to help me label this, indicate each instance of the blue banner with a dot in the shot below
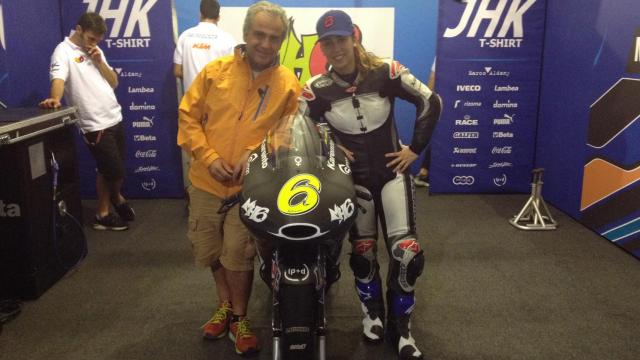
(139, 45)
(488, 74)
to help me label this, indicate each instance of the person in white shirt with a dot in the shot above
(80, 72)
(200, 44)
(196, 47)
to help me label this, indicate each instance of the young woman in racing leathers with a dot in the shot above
(356, 99)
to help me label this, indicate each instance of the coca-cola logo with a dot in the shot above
(148, 154)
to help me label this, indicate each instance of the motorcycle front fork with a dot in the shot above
(320, 320)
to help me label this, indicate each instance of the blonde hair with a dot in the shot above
(365, 60)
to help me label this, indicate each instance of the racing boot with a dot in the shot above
(370, 295)
(399, 325)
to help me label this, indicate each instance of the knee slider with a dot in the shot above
(407, 263)
(363, 260)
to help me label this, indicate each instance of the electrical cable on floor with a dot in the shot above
(9, 310)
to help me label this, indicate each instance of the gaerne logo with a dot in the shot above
(457, 166)
(463, 180)
(505, 105)
(511, 17)
(147, 122)
(140, 90)
(457, 150)
(466, 121)
(488, 71)
(141, 107)
(149, 185)
(503, 164)
(500, 180)
(466, 135)
(144, 138)
(506, 120)
(146, 169)
(9, 210)
(135, 19)
(506, 88)
(148, 154)
(458, 103)
(502, 134)
(501, 150)
(463, 88)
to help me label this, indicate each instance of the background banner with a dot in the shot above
(590, 116)
(488, 74)
(139, 45)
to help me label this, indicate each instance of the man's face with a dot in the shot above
(88, 38)
(263, 40)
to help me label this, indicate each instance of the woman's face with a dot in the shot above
(340, 53)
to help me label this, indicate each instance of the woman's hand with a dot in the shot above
(402, 159)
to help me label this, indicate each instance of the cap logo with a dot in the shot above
(328, 22)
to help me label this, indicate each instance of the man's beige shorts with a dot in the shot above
(216, 236)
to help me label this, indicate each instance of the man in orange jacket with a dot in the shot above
(226, 112)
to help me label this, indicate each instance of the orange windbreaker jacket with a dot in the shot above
(226, 112)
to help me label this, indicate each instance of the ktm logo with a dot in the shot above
(202, 46)
(80, 59)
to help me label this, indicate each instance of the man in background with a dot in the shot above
(80, 72)
(198, 45)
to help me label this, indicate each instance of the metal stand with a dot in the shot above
(535, 214)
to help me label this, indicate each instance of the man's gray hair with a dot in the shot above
(272, 9)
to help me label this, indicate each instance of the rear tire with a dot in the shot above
(297, 312)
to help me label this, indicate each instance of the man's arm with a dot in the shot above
(177, 71)
(55, 95)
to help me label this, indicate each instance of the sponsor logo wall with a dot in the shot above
(138, 45)
(487, 70)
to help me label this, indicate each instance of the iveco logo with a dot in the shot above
(460, 88)
(9, 210)
(463, 180)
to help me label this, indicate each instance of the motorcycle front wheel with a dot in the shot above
(297, 313)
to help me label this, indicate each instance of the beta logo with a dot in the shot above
(9, 210)
(511, 17)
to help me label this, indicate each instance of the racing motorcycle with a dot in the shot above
(298, 201)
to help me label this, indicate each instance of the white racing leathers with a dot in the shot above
(361, 116)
